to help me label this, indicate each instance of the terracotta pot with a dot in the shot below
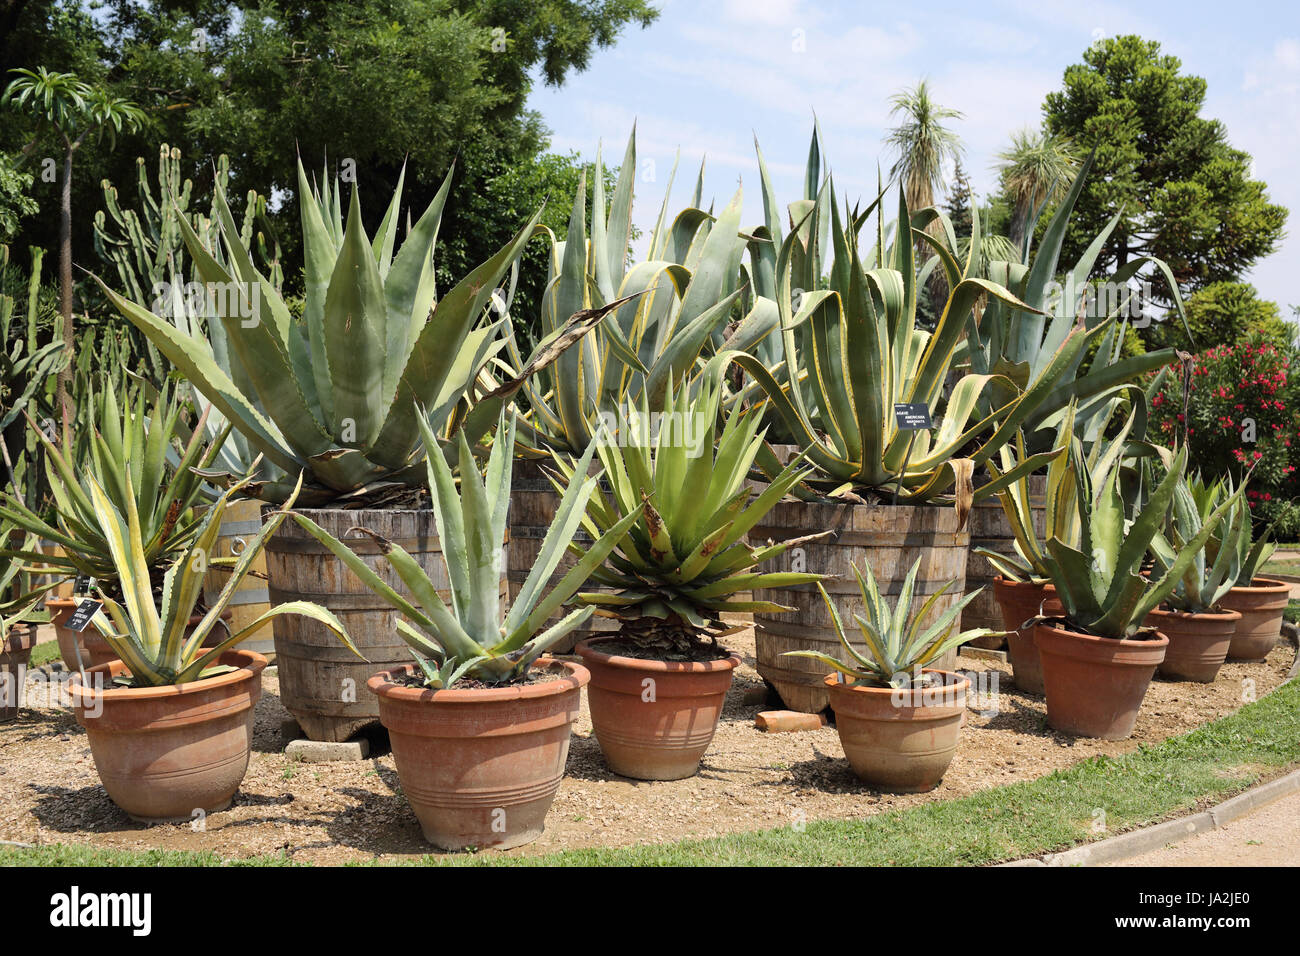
(14, 655)
(94, 649)
(165, 752)
(901, 741)
(480, 767)
(1198, 643)
(654, 719)
(1095, 685)
(1260, 606)
(1019, 602)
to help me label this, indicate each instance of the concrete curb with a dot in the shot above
(1128, 845)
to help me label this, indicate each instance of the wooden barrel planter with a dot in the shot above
(989, 528)
(888, 539)
(322, 683)
(240, 523)
(533, 504)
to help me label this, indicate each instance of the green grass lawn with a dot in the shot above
(1050, 813)
(44, 653)
(1280, 567)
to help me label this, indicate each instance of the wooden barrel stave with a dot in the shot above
(889, 539)
(240, 523)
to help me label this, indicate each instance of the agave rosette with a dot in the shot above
(897, 646)
(472, 637)
(335, 394)
(686, 560)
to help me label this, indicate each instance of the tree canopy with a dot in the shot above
(1183, 192)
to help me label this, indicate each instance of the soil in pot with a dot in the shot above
(1198, 643)
(1261, 606)
(901, 741)
(14, 655)
(480, 766)
(166, 753)
(654, 719)
(1018, 603)
(889, 539)
(1095, 685)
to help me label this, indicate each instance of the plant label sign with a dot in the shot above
(912, 416)
(82, 615)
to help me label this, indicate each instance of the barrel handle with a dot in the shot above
(237, 546)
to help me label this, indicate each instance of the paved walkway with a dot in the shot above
(1270, 836)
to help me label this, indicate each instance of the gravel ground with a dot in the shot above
(749, 780)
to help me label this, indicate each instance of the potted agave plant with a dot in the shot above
(126, 454)
(678, 298)
(891, 493)
(1199, 630)
(1260, 601)
(658, 684)
(1022, 586)
(898, 719)
(19, 616)
(170, 722)
(1098, 658)
(480, 720)
(334, 396)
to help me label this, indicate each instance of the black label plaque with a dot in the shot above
(82, 615)
(914, 416)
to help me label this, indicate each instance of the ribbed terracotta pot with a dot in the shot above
(654, 719)
(165, 752)
(1020, 602)
(1095, 685)
(480, 767)
(94, 649)
(899, 740)
(1260, 606)
(1198, 643)
(14, 655)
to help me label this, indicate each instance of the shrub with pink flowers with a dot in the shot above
(1243, 412)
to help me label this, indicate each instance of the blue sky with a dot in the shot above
(710, 75)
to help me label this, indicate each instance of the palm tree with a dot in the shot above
(923, 143)
(1037, 168)
(74, 110)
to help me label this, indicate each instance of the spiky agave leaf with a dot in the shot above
(336, 395)
(150, 639)
(897, 646)
(472, 637)
(686, 557)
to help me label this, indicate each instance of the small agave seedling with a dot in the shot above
(1029, 563)
(471, 639)
(898, 647)
(153, 636)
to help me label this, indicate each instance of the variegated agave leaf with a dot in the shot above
(464, 633)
